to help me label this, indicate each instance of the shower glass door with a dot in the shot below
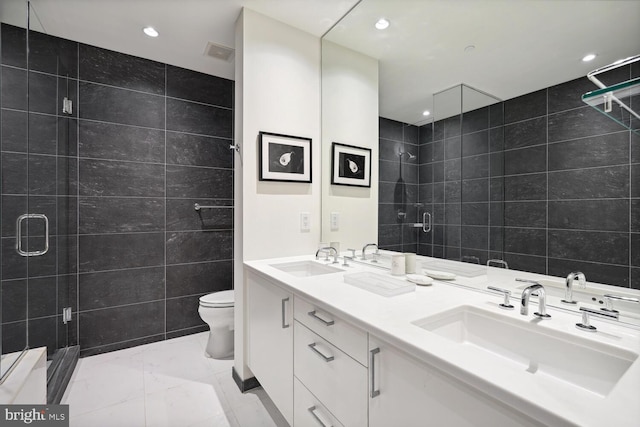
(39, 199)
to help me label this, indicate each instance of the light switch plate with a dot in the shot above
(305, 221)
(335, 221)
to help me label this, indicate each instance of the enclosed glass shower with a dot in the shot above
(446, 179)
(38, 199)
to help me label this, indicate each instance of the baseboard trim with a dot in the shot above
(246, 385)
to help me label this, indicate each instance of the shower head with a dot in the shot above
(407, 154)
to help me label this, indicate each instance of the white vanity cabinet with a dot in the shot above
(308, 410)
(404, 391)
(329, 362)
(270, 340)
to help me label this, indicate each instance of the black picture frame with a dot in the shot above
(350, 165)
(284, 158)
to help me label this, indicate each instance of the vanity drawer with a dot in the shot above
(308, 411)
(333, 377)
(338, 332)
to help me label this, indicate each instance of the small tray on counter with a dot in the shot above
(379, 283)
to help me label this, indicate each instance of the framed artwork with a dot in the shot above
(350, 165)
(284, 158)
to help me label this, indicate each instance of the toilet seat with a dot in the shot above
(218, 299)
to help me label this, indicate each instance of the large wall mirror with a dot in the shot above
(508, 163)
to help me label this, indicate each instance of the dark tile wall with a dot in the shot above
(542, 181)
(146, 141)
(398, 207)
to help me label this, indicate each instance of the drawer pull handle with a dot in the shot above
(325, 322)
(312, 346)
(372, 367)
(319, 418)
(284, 324)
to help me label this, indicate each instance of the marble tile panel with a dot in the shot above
(118, 69)
(199, 278)
(527, 106)
(115, 105)
(603, 150)
(190, 117)
(603, 215)
(198, 246)
(525, 214)
(14, 45)
(196, 150)
(121, 215)
(200, 87)
(117, 142)
(114, 288)
(580, 123)
(521, 134)
(100, 252)
(603, 247)
(525, 187)
(110, 325)
(525, 160)
(189, 181)
(113, 178)
(13, 93)
(607, 182)
(526, 241)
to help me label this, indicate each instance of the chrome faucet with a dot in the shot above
(364, 248)
(568, 292)
(534, 288)
(328, 250)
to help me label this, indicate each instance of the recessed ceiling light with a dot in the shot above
(382, 24)
(150, 31)
(426, 112)
(589, 57)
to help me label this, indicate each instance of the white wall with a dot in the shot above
(349, 116)
(280, 86)
(277, 90)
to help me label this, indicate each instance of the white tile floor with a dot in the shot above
(169, 383)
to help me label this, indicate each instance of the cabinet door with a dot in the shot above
(406, 392)
(270, 341)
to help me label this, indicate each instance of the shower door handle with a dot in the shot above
(426, 225)
(19, 234)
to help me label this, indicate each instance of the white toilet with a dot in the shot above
(216, 310)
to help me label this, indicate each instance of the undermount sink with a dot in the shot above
(306, 268)
(583, 363)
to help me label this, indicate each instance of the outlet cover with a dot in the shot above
(305, 221)
(335, 221)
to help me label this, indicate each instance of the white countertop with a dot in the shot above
(546, 399)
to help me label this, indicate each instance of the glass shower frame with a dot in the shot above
(39, 271)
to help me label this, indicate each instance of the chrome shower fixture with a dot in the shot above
(406, 153)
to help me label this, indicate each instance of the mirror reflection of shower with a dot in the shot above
(407, 155)
(400, 193)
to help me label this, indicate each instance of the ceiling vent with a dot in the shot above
(218, 51)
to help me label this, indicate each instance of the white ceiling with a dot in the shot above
(185, 26)
(520, 45)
